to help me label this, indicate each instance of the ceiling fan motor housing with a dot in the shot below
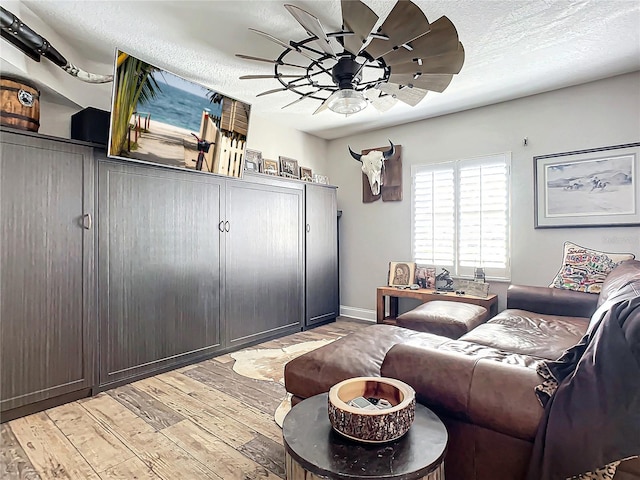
(346, 73)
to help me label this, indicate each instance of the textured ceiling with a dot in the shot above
(513, 48)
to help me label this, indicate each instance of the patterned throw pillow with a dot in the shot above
(584, 270)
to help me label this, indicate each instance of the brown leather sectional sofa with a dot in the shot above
(482, 384)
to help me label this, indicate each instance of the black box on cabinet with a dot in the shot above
(90, 125)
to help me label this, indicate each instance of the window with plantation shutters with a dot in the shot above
(460, 215)
(434, 215)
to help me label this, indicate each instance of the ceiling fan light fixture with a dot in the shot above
(347, 101)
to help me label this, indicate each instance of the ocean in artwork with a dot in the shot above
(179, 102)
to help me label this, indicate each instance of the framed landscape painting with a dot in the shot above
(588, 188)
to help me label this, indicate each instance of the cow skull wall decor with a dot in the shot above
(373, 164)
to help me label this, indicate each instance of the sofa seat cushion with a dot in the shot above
(486, 352)
(449, 319)
(359, 354)
(527, 333)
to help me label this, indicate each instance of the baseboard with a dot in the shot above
(359, 313)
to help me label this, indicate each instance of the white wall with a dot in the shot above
(275, 140)
(592, 115)
(55, 119)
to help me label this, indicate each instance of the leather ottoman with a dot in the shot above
(358, 354)
(448, 319)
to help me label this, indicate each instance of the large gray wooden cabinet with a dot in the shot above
(264, 274)
(159, 263)
(47, 315)
(190, 264)
(322, 280)
(112, 270)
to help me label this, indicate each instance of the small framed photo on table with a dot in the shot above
(401, 274)
(426, 277)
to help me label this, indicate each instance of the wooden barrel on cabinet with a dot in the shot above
(19, 104)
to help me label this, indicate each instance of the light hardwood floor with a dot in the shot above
(203, 421)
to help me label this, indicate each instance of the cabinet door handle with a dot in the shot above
(221, 226)
(226, 226)
(87, 221)
(308, 228)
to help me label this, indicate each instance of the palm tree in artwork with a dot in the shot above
(134, 84)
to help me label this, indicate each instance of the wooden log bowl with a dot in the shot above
(372, 426)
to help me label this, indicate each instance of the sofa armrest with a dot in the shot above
(483, 392)
(551, 301)
(503, 399)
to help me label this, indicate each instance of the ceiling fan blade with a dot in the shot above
(322, 107)
(266, 60)
(313, 27)
(277, 41)
(269, 92)
(442, 38)
(410, 96)
(256, 77)
(302, 97)
(406, 22)
(435, 83)
(446, 63)
(360, 19)
(380, 102)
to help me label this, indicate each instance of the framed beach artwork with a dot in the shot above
(588, 188)
(162, 118)
(289, 167)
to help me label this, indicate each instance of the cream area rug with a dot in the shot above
(268, 364)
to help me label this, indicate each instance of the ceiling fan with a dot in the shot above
(401, 61)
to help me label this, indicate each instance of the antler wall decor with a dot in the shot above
(35, 46)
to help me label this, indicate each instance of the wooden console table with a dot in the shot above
(490, 303)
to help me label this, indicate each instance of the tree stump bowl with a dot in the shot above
(372, 426)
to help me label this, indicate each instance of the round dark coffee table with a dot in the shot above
(313, 449)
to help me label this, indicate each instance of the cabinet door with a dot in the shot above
(45, 269)
(264, 261)
(159, 268)
(322, 254)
